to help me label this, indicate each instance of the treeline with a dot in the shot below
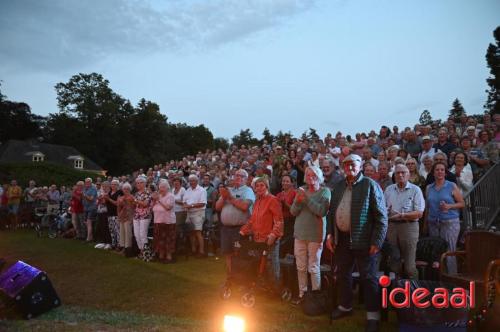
(106, 127)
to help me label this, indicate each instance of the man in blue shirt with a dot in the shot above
(235, 204)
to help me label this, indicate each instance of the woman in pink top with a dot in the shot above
(164, 222)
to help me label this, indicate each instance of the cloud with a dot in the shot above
(58, 34)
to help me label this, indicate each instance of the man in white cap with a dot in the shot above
(357, 229)
(427, 149)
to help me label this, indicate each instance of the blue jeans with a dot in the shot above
(274, 253)
(367, 265)
(448, 230)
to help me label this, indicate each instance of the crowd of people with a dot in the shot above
(299, 195)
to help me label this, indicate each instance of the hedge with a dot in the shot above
(44, 174)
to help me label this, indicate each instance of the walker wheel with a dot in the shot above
(248, 300)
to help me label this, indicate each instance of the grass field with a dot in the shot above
(103, 291)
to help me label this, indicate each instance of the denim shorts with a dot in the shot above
(90, 215)
(228, 236)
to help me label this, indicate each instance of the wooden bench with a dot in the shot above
(479, 262)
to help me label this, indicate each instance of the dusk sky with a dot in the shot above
(233, 64)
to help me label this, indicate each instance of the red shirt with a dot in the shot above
(286, 197)
(266, 219)
(4, 199)
(76, 201)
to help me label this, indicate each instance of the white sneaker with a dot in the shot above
(107, 246)
(99, 246)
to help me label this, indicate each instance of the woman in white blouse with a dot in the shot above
(463, 172)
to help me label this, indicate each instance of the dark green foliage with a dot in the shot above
(425, 118)
(493, 59)
(221, 143)
(266, 135)
(43, 173)
(245, 138)
(116, 135)
(313, 134)
(17, 121)
(457, 110)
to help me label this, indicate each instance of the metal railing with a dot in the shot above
(482, 202)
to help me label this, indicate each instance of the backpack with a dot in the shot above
(315, 303)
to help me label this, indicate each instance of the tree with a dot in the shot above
(221, 143)
(493, 59)
(425, 118)
(17, 121)
(245, 137)
(2, 96)
(313, 134)
(266, 136)
(457, 110)
(93, 119)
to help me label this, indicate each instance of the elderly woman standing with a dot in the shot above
(126, 211)
(266, 222)
(463, 172)
(142, 216)
(164, 222)
(444, 201)
(310, 208)
(102, 235)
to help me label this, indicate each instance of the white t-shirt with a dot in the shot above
(195, 196)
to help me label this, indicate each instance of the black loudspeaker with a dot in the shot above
(28, 289)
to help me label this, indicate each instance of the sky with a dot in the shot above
(286, 65)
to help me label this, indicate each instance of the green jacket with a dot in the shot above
(368, 213)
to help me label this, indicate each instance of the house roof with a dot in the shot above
(22, 151)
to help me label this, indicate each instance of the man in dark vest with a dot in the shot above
(357, 229)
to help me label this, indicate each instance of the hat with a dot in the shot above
(353, 158)
(426, 137)
(471, 128)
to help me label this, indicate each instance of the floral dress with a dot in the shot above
(142, 213)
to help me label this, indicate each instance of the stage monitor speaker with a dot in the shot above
(28, 289)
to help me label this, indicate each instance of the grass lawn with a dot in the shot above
(103, 291)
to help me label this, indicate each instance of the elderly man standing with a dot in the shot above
(235, 204)
(357, 229)
(54, 196)
(89, 201)
(405, 205)
(195, 201)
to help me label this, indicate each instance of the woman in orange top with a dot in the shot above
(266, 222)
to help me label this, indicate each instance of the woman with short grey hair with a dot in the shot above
(163, 203)
(310, 208)
(126, 210)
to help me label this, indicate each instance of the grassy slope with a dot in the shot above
(103, 291)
